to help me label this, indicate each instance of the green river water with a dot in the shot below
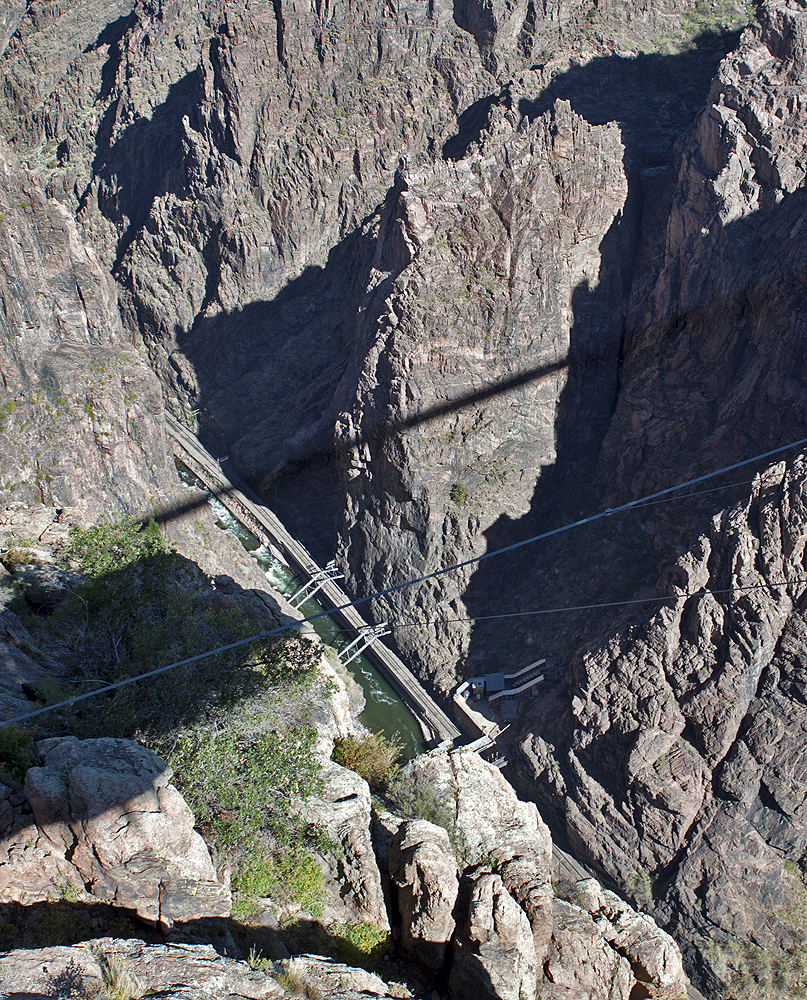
(384, 711)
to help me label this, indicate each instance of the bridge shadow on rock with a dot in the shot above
(270, 377)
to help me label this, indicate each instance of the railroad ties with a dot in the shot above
(436, 726)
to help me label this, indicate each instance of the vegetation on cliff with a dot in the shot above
(235, 726)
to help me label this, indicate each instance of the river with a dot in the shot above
(384, 711)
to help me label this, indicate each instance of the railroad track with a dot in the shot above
(437, 727)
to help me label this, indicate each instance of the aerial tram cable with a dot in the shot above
(422, 579)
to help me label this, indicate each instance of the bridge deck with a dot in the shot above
(267, 527)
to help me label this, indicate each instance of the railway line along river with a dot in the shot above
(384, 709)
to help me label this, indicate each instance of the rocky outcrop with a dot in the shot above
(512, 937)
(342, 811)
(494, 955)
(175, 970)
(713, 367)
(484, 268)
(80, 412)
(424, 873)
(491, 825)
(672, 754)
(105, 820)
(182, 972)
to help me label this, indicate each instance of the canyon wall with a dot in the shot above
(438, 278)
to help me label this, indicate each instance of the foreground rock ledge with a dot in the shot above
(486, 916)
(106, 820)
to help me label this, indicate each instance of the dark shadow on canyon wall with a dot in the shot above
(653, 98)
(724, 380)
(268, 374)
(146, 158)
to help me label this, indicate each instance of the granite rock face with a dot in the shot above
(80, 419)
(175, 970)
(107, 817)
(494, 955)
(491, 921)
(673, 753)
(179, 971)
(342, 810)
(713, 366)
(477, 267)
(424, 872)
(408, 266)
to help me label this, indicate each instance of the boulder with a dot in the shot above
(105, 810)
(189, 971)
(424, 871)
(654, 958)
(494, 955)
(342, 809)
(580, 961)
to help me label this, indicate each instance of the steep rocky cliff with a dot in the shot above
(699, 804)
(435, 278)
(236, 169)
(673, 755)
(100, 821)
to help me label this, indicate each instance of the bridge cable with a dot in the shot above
(410, 583)
(703, 592)
(566, 527)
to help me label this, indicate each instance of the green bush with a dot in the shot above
(105, 547)
(15, 754)
(242, 785)
(299, 873)
(373, 756)
(459, 494)
(414, 798)
(142, 607)
(362, 944)
(234, 725)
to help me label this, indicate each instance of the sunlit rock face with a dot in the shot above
(106, 818)
(436, 278)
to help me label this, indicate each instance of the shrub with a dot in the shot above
(117, 982)
(68, 983)
(142, 607)
(15, 754)
(299, 873)
(233, 725)
(239, 782)
(105, 547)
(296, 979)
(373, 756)
(414, 798)
(459, 494)
(362, 944)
